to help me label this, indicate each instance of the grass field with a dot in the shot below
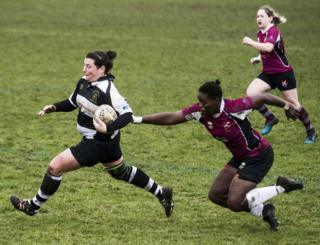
(166, 50)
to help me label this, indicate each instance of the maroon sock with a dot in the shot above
(304, 118)
(269, 116)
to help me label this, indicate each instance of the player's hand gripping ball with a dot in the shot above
(106, 113)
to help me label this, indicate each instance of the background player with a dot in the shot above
(276, 72)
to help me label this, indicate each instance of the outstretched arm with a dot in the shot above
(263, 47)
(269, 99)
(64, 105)
(161, 118)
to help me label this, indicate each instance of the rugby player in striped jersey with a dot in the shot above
(95, 88)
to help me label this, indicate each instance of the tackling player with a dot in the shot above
(225, 119)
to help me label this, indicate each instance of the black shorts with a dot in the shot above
(89, 152)
(254, 168)
(282, 81)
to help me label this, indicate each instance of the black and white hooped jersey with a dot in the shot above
(88, 96)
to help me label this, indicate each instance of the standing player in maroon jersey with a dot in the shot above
(225, 119)
(276, 72)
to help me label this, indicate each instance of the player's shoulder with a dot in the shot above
(274, 30)
(192, 112)
(192, 108)
(243, 99)
(238, 104)
(104, 82)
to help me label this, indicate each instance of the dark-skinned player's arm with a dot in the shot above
(269, 99)
(161, 118)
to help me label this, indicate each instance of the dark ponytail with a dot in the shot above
(103, 58)
(111, 54)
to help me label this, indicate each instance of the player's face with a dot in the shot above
(209, 105)
(91, 72)
(263, 20)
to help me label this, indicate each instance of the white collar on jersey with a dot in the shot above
(103, 78)
(267, 29)
(221, 109)
(93, 84)
(97, 82)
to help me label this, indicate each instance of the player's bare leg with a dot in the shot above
(259, 86)
(218, 192)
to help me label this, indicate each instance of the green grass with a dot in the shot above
(166, 50)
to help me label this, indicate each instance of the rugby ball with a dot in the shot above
(106, 113)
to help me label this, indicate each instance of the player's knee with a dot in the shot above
(214, 195)
(297, 104)
(57, 166)
(234, 204)
(213, 198)
(250, 91)
(122, 172)
(54, 170)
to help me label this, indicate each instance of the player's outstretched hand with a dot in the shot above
(292, 113)
(47, 109)
(99, 125)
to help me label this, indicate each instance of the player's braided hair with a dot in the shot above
(212, 89)
(103, 58)
(276, 17)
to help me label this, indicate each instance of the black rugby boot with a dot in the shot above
(23, 205)
(288, 184)
(166, 200)
(269, 216)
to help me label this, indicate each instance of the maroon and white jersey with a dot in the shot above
(275, 61)
(231, 126)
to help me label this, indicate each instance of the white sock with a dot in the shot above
(260, 195)
(257, 210)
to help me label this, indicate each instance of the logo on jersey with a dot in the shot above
(271, 38)
(284, 83)
(95, 96)
(242, 165)
(227, 126)
(210, 125)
